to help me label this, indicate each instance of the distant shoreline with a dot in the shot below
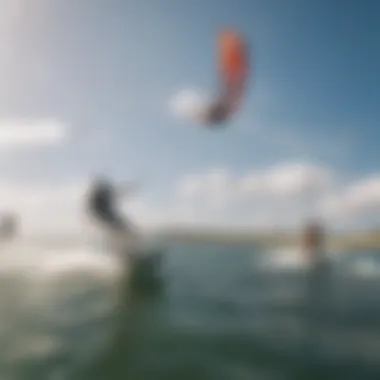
(343, 242)
(338, 242)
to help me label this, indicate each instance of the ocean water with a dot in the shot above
(223, 312)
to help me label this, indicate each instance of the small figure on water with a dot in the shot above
(8, 227)
(313, 243)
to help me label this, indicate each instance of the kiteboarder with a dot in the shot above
(102, 205)
(124, 237)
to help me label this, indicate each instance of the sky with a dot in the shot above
(88, 87)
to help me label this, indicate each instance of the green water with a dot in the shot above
(222, 314)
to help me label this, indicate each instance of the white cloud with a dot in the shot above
(280, 196)
(214, 186)
(355, 203)
(276, 197)
(188, 103)
(286, 180)
(26, 133)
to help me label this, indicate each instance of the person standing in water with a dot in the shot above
(8, 227)
(313, 241)
(313, 244)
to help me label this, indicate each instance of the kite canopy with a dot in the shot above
(233, 63)
(233, 67)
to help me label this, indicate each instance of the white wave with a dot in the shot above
(284, 259)
(365, 268)
(291, 259)
(48, 294)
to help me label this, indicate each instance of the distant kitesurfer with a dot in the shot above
(8, 227)
(313, 243)
(318, 264)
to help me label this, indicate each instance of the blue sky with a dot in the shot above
(106, 69)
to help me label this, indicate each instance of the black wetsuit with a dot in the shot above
(102, 206)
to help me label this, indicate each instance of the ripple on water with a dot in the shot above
(54, 304)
